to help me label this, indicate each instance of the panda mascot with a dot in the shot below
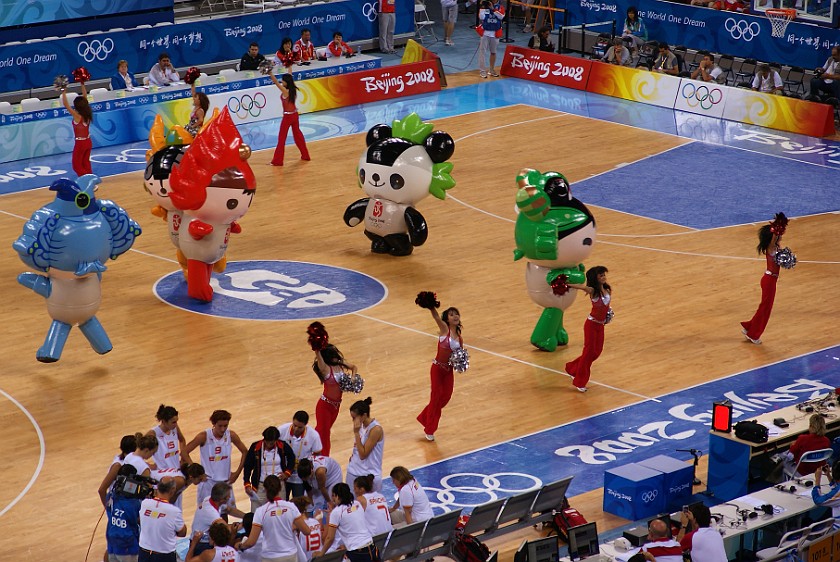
(403, 164)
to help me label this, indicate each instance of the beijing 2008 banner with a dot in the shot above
(549, 68)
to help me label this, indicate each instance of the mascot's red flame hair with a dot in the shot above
(217, 148)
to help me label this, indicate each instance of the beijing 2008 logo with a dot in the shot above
(370, 9)
(96, 49)
(740, 29)
(247, 105)
(701, 95)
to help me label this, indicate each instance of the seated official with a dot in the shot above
(831, 497)
(304, 49)
(618, 53)
(697, 535)
(123, 79)
(163, 73)
(707, 70)
(814, 440)
(660, 547)
(252, 59)
(827, 78)
(542, 40)
(767, 80)
(666, 62)
(338, 47)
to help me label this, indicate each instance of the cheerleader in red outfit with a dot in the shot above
(593, 329)
(769, 239)
(330, 366)
(82, 117)
(288, 93)
(443, 379)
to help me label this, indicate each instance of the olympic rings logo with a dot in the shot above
(648, 497)
(369, 10)
(247, 105)
(701, 95)
(485, 488)
(740, 29)
(96, 49)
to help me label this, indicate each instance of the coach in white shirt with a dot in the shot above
(161, 523)
(304, 442)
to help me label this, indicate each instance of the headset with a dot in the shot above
(766, 509)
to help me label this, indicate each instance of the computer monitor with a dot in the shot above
(521, 554)
(543, 550)
(583, 541)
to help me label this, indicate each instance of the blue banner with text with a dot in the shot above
(33, 65)
(14, 12)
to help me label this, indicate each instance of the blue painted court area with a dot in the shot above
(586, 448)
(703, 186)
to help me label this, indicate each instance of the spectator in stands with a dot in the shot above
(814, 440)
(304, 49)
(705, 3)
(661, 546)
(542, 40)
(82, 116)
(832, 497)
(729, 6)
(252, 59)
(123, 79)
(767, 80)
(449, 15)
(338, 47)
(666, 62)
(490, 15)
(286, 56)
(705, 543)
(707, 70)
(387, 21)
(161, 523)
(827, 78)
(163, 73)
(618, 53)
(634, 29)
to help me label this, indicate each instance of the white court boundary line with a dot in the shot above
(41, 456)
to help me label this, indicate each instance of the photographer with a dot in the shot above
(161, 523)
(490, 30)
(832, 497)
(704, 542)
(827, 78)
(122, 531)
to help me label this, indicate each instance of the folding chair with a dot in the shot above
(817, 531)
(744, 75)
(789, 541)
(98, 93)
(423, 26)
(795, 80)
(821, 455)
(726, 63)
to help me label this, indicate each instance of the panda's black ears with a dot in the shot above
(440, 146)
(378, 133)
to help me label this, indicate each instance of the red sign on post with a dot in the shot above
(549, 68)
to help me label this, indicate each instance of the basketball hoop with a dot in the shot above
(779, 20)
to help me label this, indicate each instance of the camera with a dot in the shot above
(818, 71)
(129, 485)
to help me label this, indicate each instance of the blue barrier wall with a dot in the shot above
(34, 65)
(15, 12)
(746, 36)
(86, 25)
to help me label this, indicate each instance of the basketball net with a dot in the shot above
(779, 20)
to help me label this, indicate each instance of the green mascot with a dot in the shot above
(556, 232)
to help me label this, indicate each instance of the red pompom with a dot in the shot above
(560, 286)
(779, 224)
(81, 74)
(192, 75)
(427, 299)
(318, 337)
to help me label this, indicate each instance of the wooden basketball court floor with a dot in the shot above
(679, 294)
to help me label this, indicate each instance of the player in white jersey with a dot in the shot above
(304, 442)
(187, 474)
(368, 446)
(412, 498)
(320, 474)
(348, 520)
(146, 446)
(128, 444)
(216, 445)
(220, 551)
(377, 514)
(276, 520)
(170, 439)
(312, 542)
